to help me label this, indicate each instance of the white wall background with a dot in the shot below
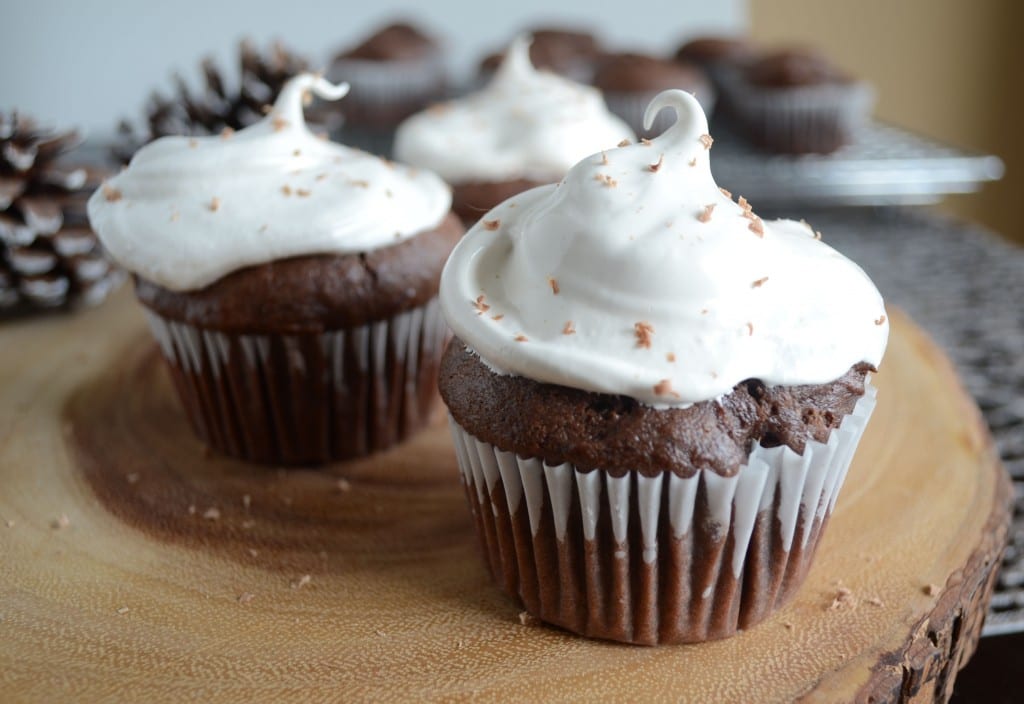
(87, 63)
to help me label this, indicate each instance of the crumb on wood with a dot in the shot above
(301, 581)
(343, 485)
(843, 599)
(527, 619)
(245, 597)
(212, 514)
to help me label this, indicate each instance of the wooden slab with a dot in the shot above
(134, 565)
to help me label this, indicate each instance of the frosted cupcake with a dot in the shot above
(654, 393)
(526, 128)
(290, 281)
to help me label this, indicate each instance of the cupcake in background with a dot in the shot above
(654, 394)
(291, 283)
(525, 128)
(567, 52)
(396, 71)
(721, 58)
(630, 81)
(796, 101)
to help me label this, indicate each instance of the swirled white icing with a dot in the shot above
(524, 124)
(188, 211)
(637, 275)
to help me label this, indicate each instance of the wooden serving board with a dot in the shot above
(136, 566)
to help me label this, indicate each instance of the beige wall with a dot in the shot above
(951, 69)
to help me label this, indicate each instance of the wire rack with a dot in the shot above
(884, 165)
(966, 287)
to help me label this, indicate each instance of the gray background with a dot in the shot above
(89, 62)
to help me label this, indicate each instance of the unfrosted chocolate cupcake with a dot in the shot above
(396, 71)
(567, 52)
(525, 128)
(630, 81)
(722, 59)
(652, 414)
(291, 283)
(797, 101)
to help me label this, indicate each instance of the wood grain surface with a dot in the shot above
(136, 566)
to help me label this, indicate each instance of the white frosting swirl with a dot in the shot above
(188, 211)
(524, 124)
(617, 281)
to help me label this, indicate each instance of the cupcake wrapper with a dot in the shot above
(660, 559)
(307, 398)
(811, 119)
(392, 82)
(632, 106)
(375, 141)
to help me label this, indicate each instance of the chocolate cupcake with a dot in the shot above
(526, 128)
(630, 81)
(654, 394)
(567, 52)
(721, 58)
(291, 283)
(395, 72)
(798, 102)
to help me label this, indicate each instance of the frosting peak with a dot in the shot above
(190, 210)
(524, 124)
(637, 275)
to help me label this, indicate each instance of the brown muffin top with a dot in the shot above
(315, 293)
(704, 50)
(399, 41)
(628, 72)
(792, 68)
(618, 434)
(561, 51)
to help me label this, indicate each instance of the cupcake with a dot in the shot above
(654, 394)
(720, 58)
(291, 283)
(395, 72)
(630, 81)
(798, 102)
(567, 52)
(526, 128)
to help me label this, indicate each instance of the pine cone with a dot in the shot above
(215, 106)
(49, 258)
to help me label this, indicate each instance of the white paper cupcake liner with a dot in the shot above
(630, 107)
(307, 398)
(655, 559)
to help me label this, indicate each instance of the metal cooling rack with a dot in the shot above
(884, 165)
(966, 287)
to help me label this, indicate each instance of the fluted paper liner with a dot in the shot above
(655, 559)
(631, 107)
(306, 398)
(803, 118)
